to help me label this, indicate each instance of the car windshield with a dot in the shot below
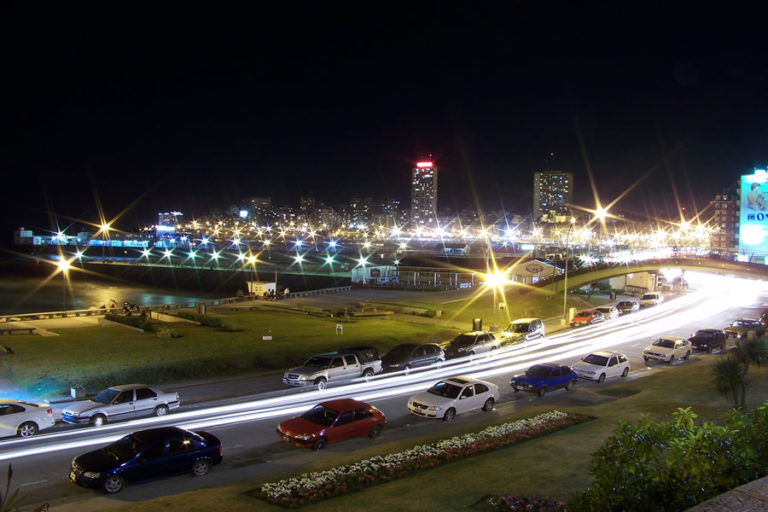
(665, 343)
(585, 313)
(596, 359)
(704, 334)
(626, 304)
(125, 449)
(518, 327)
(319, 362)
(463, 340)
(538, 371)
(321, 415)
(106, 396)
(445, 389)
(400, 351)
(606, 311)
(649, 296)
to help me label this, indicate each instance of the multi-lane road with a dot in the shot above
(247, 426)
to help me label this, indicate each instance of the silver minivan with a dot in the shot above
(523, 329)
(651, 299)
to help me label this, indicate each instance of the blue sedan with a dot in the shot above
(146, 455)
(541, 378)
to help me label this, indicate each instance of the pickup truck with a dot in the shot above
(345, 364)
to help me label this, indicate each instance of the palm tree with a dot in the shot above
(731, 379)
(751, 351)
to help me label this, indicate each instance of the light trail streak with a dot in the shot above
(719, 293)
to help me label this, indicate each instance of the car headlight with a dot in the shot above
(304, 437)
(70, 413)
(433, 408)
(92, 474)
(303, 377)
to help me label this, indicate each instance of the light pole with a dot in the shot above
(565, 281)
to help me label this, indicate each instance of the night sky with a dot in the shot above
(194, 109)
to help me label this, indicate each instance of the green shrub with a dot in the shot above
(206, 320)
(133, 321)
(675, 465)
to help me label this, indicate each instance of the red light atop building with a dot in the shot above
(422, 165)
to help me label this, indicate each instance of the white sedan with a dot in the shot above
(667, 349)
(24, 419)
(601, 365)
(454, 396)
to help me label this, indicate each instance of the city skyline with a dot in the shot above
(633, 100)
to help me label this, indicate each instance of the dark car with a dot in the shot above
(332, 421)
(708, 339)
(741, 326)
(628, 306)
(541, 378)
(411, 355)
(471, 343)
(146, 455)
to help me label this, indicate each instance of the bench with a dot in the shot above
(11, 330)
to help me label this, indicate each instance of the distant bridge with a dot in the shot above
(601, 272)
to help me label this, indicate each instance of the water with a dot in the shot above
(34, 295)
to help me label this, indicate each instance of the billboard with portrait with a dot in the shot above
(753, 230)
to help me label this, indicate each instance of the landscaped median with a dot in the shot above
(311, 487)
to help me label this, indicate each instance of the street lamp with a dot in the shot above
(496, 280)
(565, 282)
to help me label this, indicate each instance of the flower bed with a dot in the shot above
(510, 503)
(309, 487)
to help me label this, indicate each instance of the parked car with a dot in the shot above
(146, 455)
(708, 339)
(601, 365)
(332, 421)
(541, 378)
(628, 306)
(24, 419)
(121, 403)
(741, 326)
(609, 312)
(764, 318)
(453, 396)
(345, 364)
(523, 329)
(411, 355)
(471, 343)
(667, 349)
(651, 299)
(587, 317)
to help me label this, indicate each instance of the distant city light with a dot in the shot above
(422, 165)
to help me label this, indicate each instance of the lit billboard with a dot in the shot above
(753, 230)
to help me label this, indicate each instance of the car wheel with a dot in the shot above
(321, 383)
(571, 384)
(625, 372)
(449, 414)
(645, 359)
(375, 431)
(709, 349)
(27, 429)
(542, 391)
(472, 353)
(601, 378)
(113, 484)
(671, 358)
(98, 421)
(488, 405)
(161, 410)
(515, 389)
(200, 467)
(687, 355)
(319, 444)
(439, 363)
(368, 373)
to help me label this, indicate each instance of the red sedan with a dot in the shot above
(332, 421)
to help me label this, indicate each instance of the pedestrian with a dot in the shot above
(286, 292)
(339, 329)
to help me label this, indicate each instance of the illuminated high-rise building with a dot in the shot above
(552, 193)
(424, 195)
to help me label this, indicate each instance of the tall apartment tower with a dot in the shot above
(552, 193)
(726, 212)
(424, 195)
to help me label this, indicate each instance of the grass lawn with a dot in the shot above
(95, 357)
(554, 465)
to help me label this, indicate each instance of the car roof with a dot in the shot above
(672, 338)
(549, 365)
(344, 404)
(461, 380)
(125, 387)
(154, 434)
(590, 311)
(606, 353)
(709, 330)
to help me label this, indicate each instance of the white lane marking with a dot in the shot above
(34, 483)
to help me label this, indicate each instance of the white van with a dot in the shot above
(651, 299)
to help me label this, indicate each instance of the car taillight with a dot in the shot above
(49, 410)
(220, 447)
